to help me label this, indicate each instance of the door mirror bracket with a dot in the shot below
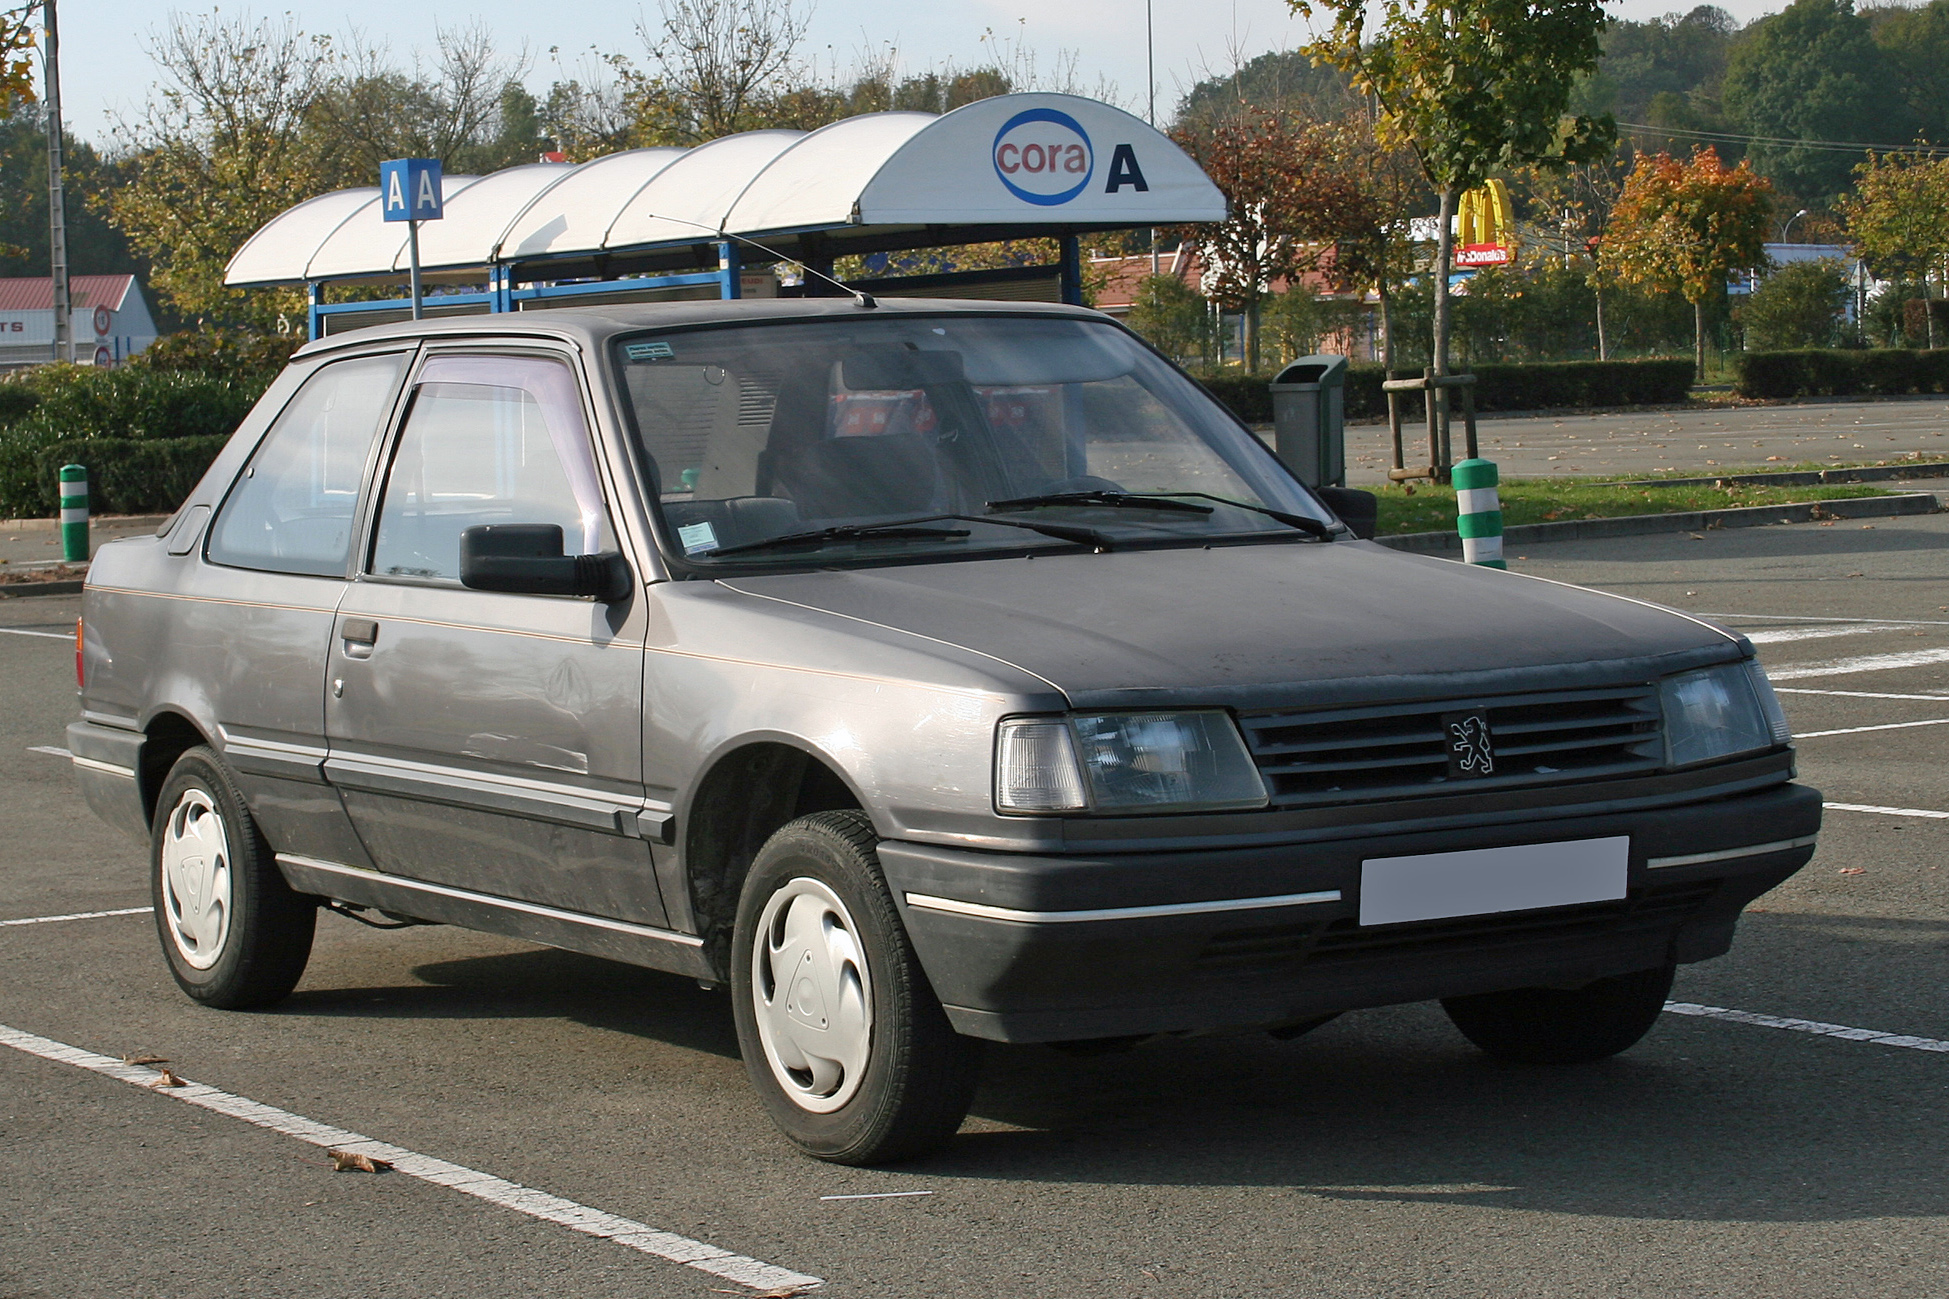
(527, 559)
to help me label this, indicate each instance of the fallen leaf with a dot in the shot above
(168, 1079)
(145, 1059)
(1854, 870)
(351, 1161)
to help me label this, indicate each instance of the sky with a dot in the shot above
(106, 71)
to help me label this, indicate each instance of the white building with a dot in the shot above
(111, 320)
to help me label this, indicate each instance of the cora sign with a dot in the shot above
(1044, 156)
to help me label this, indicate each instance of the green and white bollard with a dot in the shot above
(1479, 513)
(74, 514)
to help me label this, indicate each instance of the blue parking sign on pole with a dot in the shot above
(409, 191)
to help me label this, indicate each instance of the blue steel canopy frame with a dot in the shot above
(501, 295)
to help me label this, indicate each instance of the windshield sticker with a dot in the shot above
(648, 351)
(697, 538)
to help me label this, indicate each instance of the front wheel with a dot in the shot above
(841, 1034)
(234, 932)
(1564, 1026)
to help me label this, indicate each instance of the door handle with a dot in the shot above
(360, 635)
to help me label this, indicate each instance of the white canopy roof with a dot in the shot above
(1051, 161)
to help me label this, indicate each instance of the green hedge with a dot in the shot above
(1549, 385)
(145, 435)
(16, 401)
(1880, 372)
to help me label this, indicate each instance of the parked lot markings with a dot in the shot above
(1801, 617)
(78, 915)
(484, 1186)
(877, 1195)
(1863, 663)
(1806, 1026)
(51, 635)
(1885, 726)
(1856, 694)
(1886, 811)
(51, 750)
(1781, 635)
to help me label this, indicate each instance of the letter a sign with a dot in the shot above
(409, 189)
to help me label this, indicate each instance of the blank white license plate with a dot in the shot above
(1479, 881)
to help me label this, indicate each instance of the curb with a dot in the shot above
(21, 590)
(1643, 525)
(1799, 477)
(100, 521)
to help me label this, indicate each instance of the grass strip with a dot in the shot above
(1420, 507)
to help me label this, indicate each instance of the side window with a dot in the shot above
(291, 512)
(488, 439)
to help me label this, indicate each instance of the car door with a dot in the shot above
(254, 611)
(481, 740)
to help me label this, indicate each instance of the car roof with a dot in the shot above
(592, 326)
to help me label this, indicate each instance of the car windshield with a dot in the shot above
(893, 437)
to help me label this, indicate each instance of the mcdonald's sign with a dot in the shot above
(1486, 227)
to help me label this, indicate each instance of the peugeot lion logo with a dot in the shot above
(1469, 751)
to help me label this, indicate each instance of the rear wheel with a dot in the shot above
(841, 1034)
(1558, 1026)
(234, 933)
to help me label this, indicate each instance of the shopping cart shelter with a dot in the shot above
(715, 220)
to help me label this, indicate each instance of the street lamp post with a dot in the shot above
(1788, 224)
(57, 222)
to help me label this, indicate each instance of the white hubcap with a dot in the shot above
(813, 996)
(196, 879)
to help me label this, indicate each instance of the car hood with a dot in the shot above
(1262, 625)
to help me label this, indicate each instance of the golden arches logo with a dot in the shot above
(1486, 226)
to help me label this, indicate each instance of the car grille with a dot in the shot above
(1349, 755)
(1344, 942)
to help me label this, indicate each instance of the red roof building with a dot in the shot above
(111, 320)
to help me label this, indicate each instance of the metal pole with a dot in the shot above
(413, 243)
(57, 220)
(1150, 114)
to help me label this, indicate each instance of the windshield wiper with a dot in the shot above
(1163, 501)
(903, 528)
(1114, 500)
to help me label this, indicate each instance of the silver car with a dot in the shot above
(926, 672)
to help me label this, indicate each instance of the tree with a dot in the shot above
(1899, 218)
(220, 150)
(1169, 313)
(1286, 199)
(94, 246)
(1812, 72)
(1915, 43)
(1685, 226)
(17, 56)
(1471, 86)
(1796, 306)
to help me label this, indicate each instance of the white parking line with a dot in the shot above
(50, 750)
(509, 1195)
(1807, 1026)
(1781, 635)
(78, 915)
(1856, 694)
(1886, 811)
(51, 635)
(1886, 726)
(1864, 663)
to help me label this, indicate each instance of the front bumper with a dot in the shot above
(1026, 948)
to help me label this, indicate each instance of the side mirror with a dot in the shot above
(527, 558)
(1357, 509)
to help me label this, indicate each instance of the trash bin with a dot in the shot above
(1309, 419)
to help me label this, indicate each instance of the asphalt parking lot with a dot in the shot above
(1378, 1157)
(1701, 440)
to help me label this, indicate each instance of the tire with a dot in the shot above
(855, 1060)
(234, 933)
(1554, 1026)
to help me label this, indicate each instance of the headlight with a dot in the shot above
(1125, 762)
(1718, 712)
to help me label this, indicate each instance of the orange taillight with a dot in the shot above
(80, 679)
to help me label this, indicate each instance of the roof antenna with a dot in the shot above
(864, 300)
